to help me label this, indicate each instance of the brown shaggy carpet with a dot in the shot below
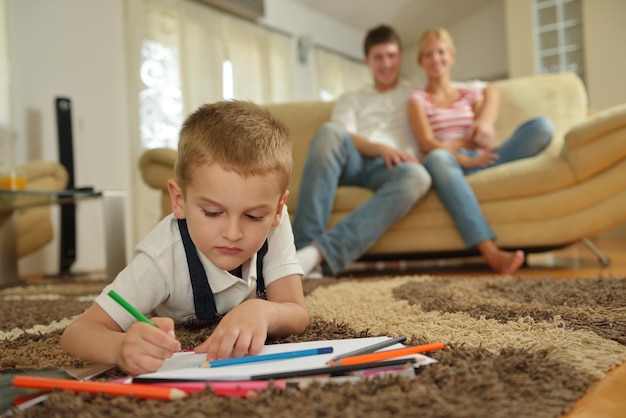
(515, 348)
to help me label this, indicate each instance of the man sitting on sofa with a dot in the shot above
(368, 143)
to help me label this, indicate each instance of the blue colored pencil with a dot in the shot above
(267, 357)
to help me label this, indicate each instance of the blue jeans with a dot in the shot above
(334, 161)
(457, 196)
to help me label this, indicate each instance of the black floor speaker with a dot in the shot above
(68, 211)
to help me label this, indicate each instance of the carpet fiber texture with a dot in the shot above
(524, 347)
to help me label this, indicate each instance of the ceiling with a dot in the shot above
(408, 17)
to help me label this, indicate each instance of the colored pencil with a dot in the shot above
(241, 388)
(136, 390)
(134, 312)
(385, 355)
(245, 388)
(369, 349)
(333, 371)
(267, 357)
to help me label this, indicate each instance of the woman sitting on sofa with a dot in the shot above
(456, 138)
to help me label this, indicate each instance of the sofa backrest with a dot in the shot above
(303, 119)
(559, 96)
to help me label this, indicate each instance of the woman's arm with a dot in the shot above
(422, 130)
(482, 132)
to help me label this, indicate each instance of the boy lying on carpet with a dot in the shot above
(229, 220)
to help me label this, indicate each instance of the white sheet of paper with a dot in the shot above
(186, 365)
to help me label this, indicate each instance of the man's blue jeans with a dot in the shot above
(457, 196)
(334, 161)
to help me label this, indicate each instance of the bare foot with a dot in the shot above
(506, 262)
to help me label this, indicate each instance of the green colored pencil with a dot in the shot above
(134, 312)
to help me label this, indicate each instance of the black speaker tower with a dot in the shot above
(68, 211)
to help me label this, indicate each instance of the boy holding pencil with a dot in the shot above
(226, 251)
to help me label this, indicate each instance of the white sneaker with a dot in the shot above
(316, 273)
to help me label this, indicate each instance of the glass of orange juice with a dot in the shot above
(12, 180)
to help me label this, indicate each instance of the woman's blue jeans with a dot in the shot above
(457, 196)
(334, 161)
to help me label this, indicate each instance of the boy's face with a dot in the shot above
(228, 216)
(385, 60)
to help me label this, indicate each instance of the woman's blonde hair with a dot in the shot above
(239, 136)
(434, 34)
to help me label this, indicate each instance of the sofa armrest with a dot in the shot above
(44, 175)
(597, 143)
(597, 124)
(157, 167)
(33, 225)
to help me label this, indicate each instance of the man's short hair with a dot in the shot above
(381, 34)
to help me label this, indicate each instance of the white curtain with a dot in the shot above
(260, 57)
(337, 74)
(176, 55)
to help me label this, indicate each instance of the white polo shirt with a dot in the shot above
(157, 280)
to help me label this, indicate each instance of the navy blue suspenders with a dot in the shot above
(203, 298)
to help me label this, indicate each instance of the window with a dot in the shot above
(195, 54)
(183, 54)
(559, 30)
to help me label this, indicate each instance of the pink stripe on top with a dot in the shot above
(452, 122)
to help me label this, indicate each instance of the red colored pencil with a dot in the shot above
(136, 390)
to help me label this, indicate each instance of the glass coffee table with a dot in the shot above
(13, 200)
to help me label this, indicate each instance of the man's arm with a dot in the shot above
(392, 156)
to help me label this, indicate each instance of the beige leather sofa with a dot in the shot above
(575, 189)
(34, 225)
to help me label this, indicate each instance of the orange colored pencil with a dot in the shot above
(385, 355)
(120, 389)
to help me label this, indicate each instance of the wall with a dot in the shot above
(300, 21)
(480, 42)
(605, 61)
(75, 49)
(604, 31)
(518, 17)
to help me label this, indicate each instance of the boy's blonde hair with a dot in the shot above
(437, 34)
(239, 136)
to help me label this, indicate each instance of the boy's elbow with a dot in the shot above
(66, 338)
(303, 322)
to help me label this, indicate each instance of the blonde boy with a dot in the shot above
(228, 202)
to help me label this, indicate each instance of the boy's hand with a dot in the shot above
(242, 331)
(145, 348)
